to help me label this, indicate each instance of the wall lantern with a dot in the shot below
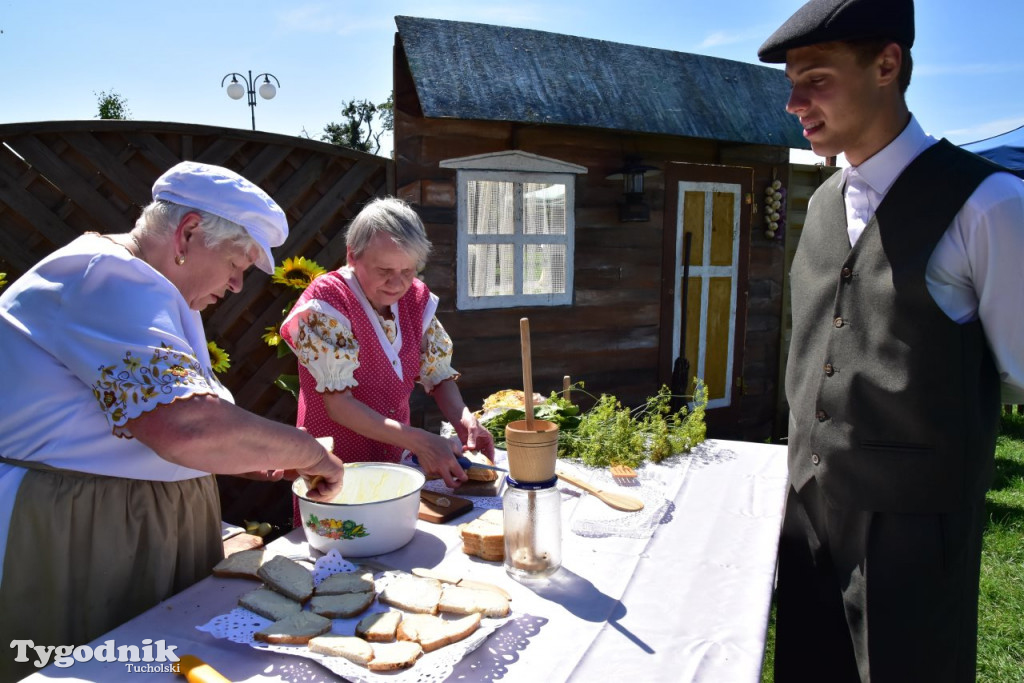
(633, 209)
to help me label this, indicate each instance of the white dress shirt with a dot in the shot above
(975, 271)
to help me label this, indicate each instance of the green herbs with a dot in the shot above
(609, 434)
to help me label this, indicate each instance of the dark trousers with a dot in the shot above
(876, 596)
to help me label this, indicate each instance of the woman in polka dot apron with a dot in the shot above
(364, 335)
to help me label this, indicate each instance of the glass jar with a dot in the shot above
(532, 513)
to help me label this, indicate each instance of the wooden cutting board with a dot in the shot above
(431, 511)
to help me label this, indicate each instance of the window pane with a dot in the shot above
(544, 269)
(490, 207)
(490, 270)
(543, 209)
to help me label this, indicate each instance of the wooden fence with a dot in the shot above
(59, 179)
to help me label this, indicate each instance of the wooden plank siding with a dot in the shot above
(611, 336)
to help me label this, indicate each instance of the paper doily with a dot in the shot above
(240, 624)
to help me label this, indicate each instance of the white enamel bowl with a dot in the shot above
(374, 514)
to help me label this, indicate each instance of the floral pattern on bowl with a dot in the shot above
(336, 528)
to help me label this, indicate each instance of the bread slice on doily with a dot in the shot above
(394, 656)
(343, 606)
(269, 604)
(412, 594)
(287, 577)
(294, 630)
(355, 650)
(459, 600)
(433, 632)
(379, 627)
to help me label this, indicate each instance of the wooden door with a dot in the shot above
(709, 204)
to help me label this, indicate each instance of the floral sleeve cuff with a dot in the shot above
(436, 358)
(322, 340)
(138, 383)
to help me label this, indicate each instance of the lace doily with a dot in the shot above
(240, 624)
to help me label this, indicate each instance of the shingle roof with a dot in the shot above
(496, 73)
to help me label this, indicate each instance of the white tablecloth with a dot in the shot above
(690, 603)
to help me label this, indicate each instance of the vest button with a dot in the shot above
(846, 273)
(838, 322)
(829, 370)
(815, 459)
(821, 415)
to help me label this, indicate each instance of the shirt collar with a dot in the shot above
(883, 168)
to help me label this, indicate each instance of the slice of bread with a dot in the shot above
(241, 565)
(294, 630)
(412, 594)
(270, 604)
(460, 600)
(353, 649)
(343, 606)
(346, 582)
(379, 627)
(479, 473)
(484, 536)
(433, 632)
(287, 577)
(394, 656)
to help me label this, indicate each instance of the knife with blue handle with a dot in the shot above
(465, 463)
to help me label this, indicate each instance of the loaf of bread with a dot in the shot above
(394, 656)
(294, 630)
(479, 473)
(353, 649)
(269, 604)
(241, 565)
(346, 582)
(344, 606)
(287, 577)
(460, 600)
(379, 627)
(433, 632)
(484, 537)
(412, 594)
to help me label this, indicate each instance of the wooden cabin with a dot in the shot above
(560, 179)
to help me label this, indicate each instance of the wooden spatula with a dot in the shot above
(609, 498)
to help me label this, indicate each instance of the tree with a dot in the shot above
(357, 130)
(112, 106)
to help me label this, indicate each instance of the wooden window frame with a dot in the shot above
(516, 167)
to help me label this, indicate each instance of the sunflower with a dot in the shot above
(297, 272)
(273, 336)
(219, 358)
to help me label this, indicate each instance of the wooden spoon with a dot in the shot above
(614, 500)
(524, 339)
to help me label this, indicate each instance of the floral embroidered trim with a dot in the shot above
(436, 359)
(328, 349)
(136, 382)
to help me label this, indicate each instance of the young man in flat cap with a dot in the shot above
(907, 318)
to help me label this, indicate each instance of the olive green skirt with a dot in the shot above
(85, 553)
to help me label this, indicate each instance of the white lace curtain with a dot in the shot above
(516, 209)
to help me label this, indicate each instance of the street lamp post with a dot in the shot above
(236, 90)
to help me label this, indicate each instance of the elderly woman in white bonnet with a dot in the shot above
(112, 420)
(364, 335)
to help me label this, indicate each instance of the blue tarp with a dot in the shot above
(1006, 150)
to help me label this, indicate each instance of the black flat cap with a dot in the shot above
(824, 21)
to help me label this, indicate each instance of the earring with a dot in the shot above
(180, 259)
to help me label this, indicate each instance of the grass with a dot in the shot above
(1001, 590)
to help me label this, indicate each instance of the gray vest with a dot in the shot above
(893, 406)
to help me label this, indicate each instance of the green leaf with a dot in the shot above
(289, 383)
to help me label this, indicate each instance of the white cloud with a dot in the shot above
(755, 34)
(982, 131)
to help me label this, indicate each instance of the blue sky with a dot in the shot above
(167, 59)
